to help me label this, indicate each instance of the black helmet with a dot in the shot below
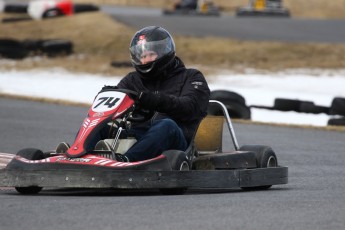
(152, 38)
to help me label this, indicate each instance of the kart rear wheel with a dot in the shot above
(178, 161)
(265, 158)
(30, 154)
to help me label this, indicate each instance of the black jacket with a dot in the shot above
(186, 95)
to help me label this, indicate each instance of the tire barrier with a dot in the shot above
(234, 103)
(45, 9)
(13, 49)
(337, 106)
(237, 108)
(310, 107)
(283, 104)
(336, 121)
(15, 8)
(119, 64)
(81, 8)
(57, 47)
(16, 19)
(227, 95)
(294, 105)
(49, 8)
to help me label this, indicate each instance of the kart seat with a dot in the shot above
(208, 137)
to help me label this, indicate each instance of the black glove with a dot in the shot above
(105, 87)
(149, 100)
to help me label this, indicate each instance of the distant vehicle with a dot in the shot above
(193, 8)
(272, 8)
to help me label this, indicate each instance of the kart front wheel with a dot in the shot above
(31, 190)
(179, 162)
(30, 154)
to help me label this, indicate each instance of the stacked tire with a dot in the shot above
(338, 109)
(235, 104)
(15, 49)
(283, 104)
(12, 49)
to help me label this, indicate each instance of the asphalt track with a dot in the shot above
(244, 28)
(313, 198)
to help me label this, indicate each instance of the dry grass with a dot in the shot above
(263, 55)
(96, 46)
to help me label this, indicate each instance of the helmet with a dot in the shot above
(152, 38)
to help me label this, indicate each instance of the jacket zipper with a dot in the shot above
(156, 113)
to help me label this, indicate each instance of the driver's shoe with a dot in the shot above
(121, 158)
(62, 147)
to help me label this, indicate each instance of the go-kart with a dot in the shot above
(266, 8)
(206, 163)
(203, 8)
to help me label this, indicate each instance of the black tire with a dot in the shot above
(265, 158)
(235, 110)
(282, 104)
(15, 8)
(337, 106)
(80, 8)
(33, 46)
(16, 19)
(178, 161)
(28, 190)
(337, 121)
(221, 95)
(310, 107)
(13, 49)
(30, 154)
(120, 64)
(57, 47)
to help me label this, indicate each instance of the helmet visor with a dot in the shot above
(156, 49)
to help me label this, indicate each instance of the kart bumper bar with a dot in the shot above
(144, 179)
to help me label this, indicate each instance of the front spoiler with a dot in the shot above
(68, 178)
(245, 11)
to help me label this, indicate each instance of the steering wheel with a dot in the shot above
(139, 114)
(131, 93)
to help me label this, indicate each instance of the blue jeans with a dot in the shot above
(151, 142)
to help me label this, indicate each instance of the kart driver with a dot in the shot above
(177, 95)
